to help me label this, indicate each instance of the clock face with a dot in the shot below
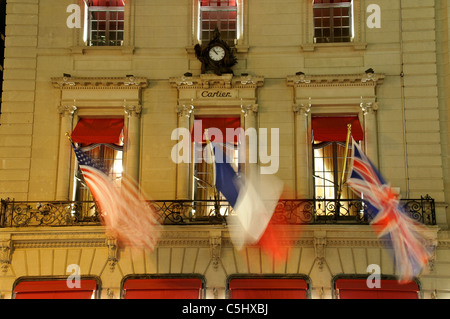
(217, 53)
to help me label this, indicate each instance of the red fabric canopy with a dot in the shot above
(162, 288)
(250, 288)
(105, 3)
(334, 128)
(91, 131)
(54, 289)
(389, 289)
(220, 123)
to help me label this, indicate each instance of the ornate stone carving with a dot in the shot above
(129, 82)
(111, 243)
(303, 108)
(249, 108)
(216, 247)
(299, 80)
(185, 110)
(132, 110)
(319, 248)
(67, 110)
(210, 81)
(5, 254)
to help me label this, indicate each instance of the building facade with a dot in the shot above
(301, 66)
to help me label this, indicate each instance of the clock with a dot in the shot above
(216, 56)
(216, 53)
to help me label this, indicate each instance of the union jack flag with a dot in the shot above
(390, 222)
(126, 214)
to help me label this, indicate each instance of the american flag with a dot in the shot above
(390, 222)
(126, 213)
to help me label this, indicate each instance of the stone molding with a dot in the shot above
(129, 82)
(210, 81)
(303, 80)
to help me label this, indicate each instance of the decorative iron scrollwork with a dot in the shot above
(198, 212)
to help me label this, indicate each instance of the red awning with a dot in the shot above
(226, 129)
(54, 289)
(105, 3)
(389, 289)
(250, 288)
(163, 288)
(92, 131)
(334, 128)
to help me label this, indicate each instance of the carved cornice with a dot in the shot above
(302, 80)
(100, 83)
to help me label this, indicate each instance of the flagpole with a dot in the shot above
(69, 137)
(349, 132)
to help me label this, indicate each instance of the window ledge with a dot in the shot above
(311, 47)
(104, 50)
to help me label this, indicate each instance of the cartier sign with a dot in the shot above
(217, 94)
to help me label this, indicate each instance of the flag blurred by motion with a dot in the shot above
(254, 198)
(405, 236)
(126, 213)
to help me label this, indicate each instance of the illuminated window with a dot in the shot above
(203, 177)
(102, 141)
(105, 22)
(330, 135)
(333, 21)
(222, 14)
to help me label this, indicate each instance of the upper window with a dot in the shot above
(222, 14)
(105, 22)
(333, 21)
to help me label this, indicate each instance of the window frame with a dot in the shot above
(237, 166)
(213, 23)
(309, 45)
(81, 191)
(241, 42)
(107, 10)
(331, 19)
(80, 35)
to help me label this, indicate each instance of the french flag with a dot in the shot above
(254, 198)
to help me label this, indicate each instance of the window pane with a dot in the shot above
(106, 24)
(332, 21)
(221, 14)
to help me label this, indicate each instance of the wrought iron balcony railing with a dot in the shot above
(204, 212)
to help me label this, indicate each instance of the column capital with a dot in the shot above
(249, 108)
(368, 107)
(304, 109)
(133, 110)
(185, 110)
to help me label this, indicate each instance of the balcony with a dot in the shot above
(188, 212)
